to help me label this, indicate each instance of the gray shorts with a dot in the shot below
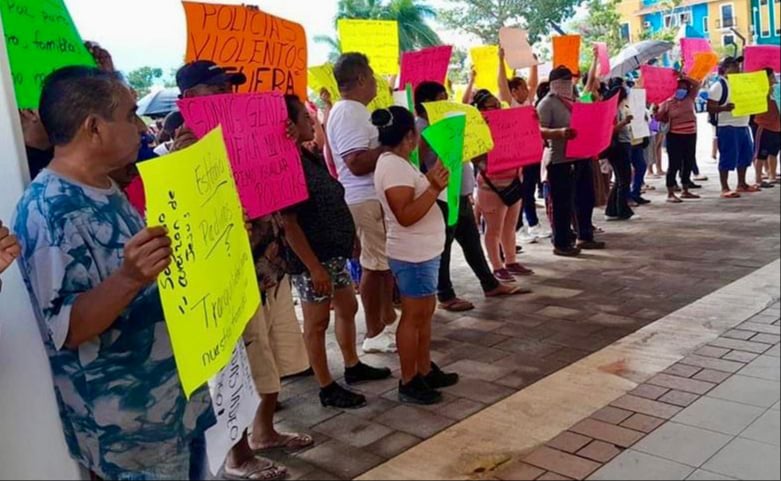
(340, 279)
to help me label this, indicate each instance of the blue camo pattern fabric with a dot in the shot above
(122, 407)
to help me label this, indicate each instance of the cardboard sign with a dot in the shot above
(517, 139)
(378, 39)
(637, 106)
(235, 401)
(446, 139)
(758, 57)
(704, 64)
(40, 38)
(477, 136)
(485, 61)
(428, 65)
(269, 50)
(266, 164)
(690, 47)
(210, 291)
(517, 51)
(603, 57)
(566, 52)
(749, 92)
(660, 83)
(593, 124)
(322, 77)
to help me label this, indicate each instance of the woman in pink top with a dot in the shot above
(682, 138)
(501, 219)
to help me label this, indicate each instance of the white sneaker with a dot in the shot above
(385, 343)
(540, 232)
(526, 237)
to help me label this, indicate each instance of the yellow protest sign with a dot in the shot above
(704, 63)
(749, 92)
(485, 61)
(384, 98)
(378, 39)
(477, 137)
(322, 77)
(210, 291)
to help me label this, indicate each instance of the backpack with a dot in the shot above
(713, 119)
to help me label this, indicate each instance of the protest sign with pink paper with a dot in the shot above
(603, 57)
(660, 83)
(690, 47)
(266, 164)
(427, 65)
(517, 139)
(758, 57)
(593, 124)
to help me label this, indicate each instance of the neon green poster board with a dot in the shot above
(446, 138)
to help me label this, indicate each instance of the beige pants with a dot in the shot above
(275, 344)
(370, 224)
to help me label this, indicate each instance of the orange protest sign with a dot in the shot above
(566, 52)
(269, 50)
(704, 63)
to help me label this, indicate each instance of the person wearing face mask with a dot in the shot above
(679, 113)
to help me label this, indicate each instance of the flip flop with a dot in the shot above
(457, 305)
(255, 469)
(751, 189)
(513, 291)
(289, 442)
(730, 195)
(674, 200)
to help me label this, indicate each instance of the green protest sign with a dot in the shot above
(415, 156)
(40, 38)
(446, 139)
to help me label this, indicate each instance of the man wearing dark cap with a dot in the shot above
(736, 146)
(570, 180)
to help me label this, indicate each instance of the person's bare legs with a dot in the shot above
(759, 170)
(345, 308)
(772, 165)
(373, 293)
(263, 432)
(424, 336)
(412, 339)
(742, 182)
(242, 457)
(317, 316)
(724, 177)
(509, 239)
(494, 224)
(389, 311)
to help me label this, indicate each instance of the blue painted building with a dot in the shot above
(766, 21)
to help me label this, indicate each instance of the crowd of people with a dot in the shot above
(374, 223)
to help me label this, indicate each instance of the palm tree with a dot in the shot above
(414, 32)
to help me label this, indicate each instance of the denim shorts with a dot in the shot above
(416, 280)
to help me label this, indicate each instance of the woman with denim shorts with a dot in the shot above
(416, 240)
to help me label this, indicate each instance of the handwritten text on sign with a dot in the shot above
(40, 38)
(378, 39)
(269, 50)
(660, 83)
(477, 137)
(428, 65)
(210, 291)
(517, 139)
(593, 124)
(749, 93)
(266, 164)
(235, 401)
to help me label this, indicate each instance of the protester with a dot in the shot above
(566, 176)
(768, 138)
(9, 250)
(499, 199)
(165, 139)
(273, 338)
(355, 150)
(36, 142)
(620, 156)
(639, 166)
(90, 268)
(465, 232)
(321, 233)
(736, 147)
(678, 112)
(654, 150)
(416, 237)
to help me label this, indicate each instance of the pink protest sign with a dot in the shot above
(136, 195)
(603, 58)
(758, 57)
(427, 65)
(659, 83)
(692, 46)
(266, 164)
(517, 139)
(593, 124)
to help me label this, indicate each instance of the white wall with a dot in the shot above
(32, 445)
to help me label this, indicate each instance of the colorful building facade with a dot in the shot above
(724, 22)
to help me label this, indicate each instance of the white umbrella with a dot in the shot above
(637, 54)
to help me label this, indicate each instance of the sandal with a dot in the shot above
(457, 305)
(507, 291)
(256, 468)
(730, 195)
(289, 442)
(749, 189)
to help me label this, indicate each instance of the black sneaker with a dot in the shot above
(592, 245)
(439, 379)
(642, 201)
(361, 373)
(336, 396)
(569, 252)
(419, 392)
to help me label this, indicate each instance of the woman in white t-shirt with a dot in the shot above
(416, 240)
